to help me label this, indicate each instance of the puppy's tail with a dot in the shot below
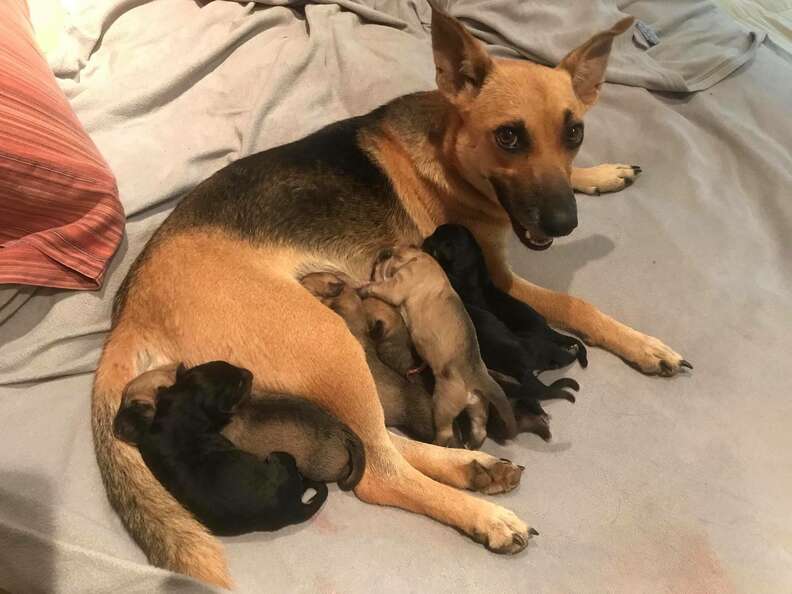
(309, 508)
(357, 460)
(494, 394)
(169, 535)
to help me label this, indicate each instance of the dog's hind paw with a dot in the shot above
(609, 177)
(493, 477)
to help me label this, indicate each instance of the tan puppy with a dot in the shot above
(444, 337)
(325, 449)
(405, 404)
(391, 336)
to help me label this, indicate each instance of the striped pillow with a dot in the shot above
(60, 217)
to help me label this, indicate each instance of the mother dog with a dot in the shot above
(490, 149)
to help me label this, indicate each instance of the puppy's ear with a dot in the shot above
(461, 61)
(586, 64)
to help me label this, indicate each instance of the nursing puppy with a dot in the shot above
(230, 491)
(406, 405)
(325, 449)
(444, 337)
(391, 337)
(499, 314)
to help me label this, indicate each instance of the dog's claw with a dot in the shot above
(566, 382)
(636, 169)
(533, 532)
(684, 363)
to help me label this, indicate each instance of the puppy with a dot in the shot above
(391, 337)
(325, 449)
(230, 491)
(514, 339)
(138, 403)
(457, 251)
(406, 405)
(445, 338)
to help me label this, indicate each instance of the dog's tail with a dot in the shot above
(494, 394)
(309, 508)
(357, 460)
(169, 535)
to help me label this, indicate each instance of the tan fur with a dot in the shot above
(256, 315)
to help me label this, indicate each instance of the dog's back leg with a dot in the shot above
(461, 468)
(389, 479)
(166, 532)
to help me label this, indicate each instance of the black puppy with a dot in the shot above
(460, 255)
(514, 339)
(230, 491)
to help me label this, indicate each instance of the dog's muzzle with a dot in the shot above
(537, 219)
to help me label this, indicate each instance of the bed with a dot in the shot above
(650, 484)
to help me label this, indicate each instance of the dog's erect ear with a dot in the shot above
(586, 64)
(462, 62)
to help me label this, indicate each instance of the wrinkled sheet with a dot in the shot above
(651, 485)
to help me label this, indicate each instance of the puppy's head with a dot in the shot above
(520, 124)
(458, 253)
(383, 319)
(218, 387)
(339, 294)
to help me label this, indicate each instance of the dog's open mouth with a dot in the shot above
(531, 235)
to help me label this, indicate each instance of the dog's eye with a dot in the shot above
(574, 135)
(508, 138)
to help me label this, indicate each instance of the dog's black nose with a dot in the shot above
(559, 221)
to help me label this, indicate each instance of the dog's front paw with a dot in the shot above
(494, 476)
(503, 532)
(609, 177)
(654, 357)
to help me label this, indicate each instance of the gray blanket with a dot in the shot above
(652, 485)
(173, 90)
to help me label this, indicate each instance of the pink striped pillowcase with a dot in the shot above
(60, 217)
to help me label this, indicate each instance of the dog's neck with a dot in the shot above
(414, 143)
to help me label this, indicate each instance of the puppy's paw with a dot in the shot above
(503, 532)
(652, 356)
(609, 177)
(492, 476)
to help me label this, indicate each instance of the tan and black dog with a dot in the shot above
(490, 149)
